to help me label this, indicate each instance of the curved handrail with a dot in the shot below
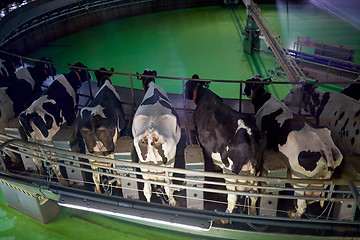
(272, 185)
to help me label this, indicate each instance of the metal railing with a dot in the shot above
(339, 190)
(287, 63)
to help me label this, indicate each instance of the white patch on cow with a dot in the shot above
(99, 147)
(25, 74)
(63, 81)
(98, 109)
(2, 66)
(36, 106)
(347, 139)
(310, 139)
(108, 85)
(231, 164)
(216, 157)
(241, 124)
(271, 106)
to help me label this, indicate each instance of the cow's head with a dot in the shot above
(82, 73)
(147, 78)
(47, 66)
(300, 93)
(102, 75)
(192, 86)
(99, 134)
(254, 84)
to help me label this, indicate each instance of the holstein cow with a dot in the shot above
(101, 121)
(8, 65)
(19, 88)
(309, 149)
(340, 113)
(231, 139)
(55, 107)
(353, 90)
(156, 132)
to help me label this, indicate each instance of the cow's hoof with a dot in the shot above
(225, 221)
(97, 190)
(172, 203)
(293, 214)
(252, 211)
(64, 182)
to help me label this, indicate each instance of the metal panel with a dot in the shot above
(15, 130)
(274, 166)
(124, 150)
(194, 160)
(66, 139)
(29, 203)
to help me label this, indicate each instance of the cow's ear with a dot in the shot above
(154, 73)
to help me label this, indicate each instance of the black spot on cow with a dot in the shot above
(343, 130)
(336, 122)
(143, 149)
(357, 131)
(321, 104)
(308, 159)
(51, 108)
(341, 115)
(278, 134)
(357, 114)
(352, 140)
(162, 99)
(335, 113)
(161, 152)
(353, 90)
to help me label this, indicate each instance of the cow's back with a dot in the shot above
(341, 114)
(229, 138)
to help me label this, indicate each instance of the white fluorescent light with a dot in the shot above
(134, 217)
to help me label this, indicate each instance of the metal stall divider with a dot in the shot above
(194, 160)
(275, 167)
(66, 139)
(124, 150)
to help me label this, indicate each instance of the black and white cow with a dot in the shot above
(17, 90)
(228, 138)
(340, 113)
(353, 90)
(101, 121)
(8, 65)
(309, 149)
(156, 131)
(55, 107)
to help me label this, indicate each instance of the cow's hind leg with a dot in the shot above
(231, 198)
(147, 191)
(96, 179)
(253, 200)
(170, 194)
(300, 209)
(60, 177)
(39, 166)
